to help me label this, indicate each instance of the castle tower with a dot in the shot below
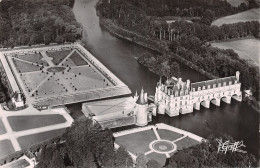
(237, 75)
(135, 96)
(188, 84)
(145, 97)
(141, 109)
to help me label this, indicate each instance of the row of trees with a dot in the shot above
(190, 40)
(4, 96)
(136, 20)
(187, 8)
(37, 22)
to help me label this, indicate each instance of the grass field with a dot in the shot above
(137, 142)
(37, 58)
(51, 86)
(32, 80)
(25, 67)
(20, 123)
(88, 78)
(168, 135)
(236, 2)
(75, 60)
(6, 148)
(58, 56)
(27, 141)
(250, 15)
(2, 127)
(247, 49)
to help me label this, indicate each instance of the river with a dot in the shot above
(238, 119)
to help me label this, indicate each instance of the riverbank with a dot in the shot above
(128, 35)
(157, 46)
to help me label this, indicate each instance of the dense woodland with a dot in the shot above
(29, 22)
(187, 39)
(206, 155)
(201, 10)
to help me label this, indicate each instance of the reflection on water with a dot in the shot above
(237, 119)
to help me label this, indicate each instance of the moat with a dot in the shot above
(237, 119)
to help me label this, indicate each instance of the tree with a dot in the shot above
(153, 164)
(86, 145)
(122, 158)
(141, 161)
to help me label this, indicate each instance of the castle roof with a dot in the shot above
(141, 99)
(226, 80)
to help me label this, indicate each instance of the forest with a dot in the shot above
(28, 22)
(206, 155)
(188, 39)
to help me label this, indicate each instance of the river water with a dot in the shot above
(237, 119)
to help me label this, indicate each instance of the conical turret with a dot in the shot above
(141, 98)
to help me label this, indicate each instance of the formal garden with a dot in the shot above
(67, 72)
(156, 143)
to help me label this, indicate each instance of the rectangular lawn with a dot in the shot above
(6, 148)
(20, 123)
(137, 142)
(2, 127)
(22, 66)
(37, 58)
(29, 140)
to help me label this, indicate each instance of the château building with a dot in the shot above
(178, 97)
